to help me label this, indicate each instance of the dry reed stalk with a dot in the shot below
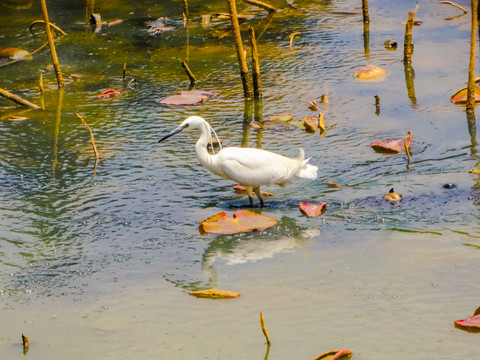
(97, 156)
(264, 329)
(470, 105)
(257, 83)
(18, 99)
(242, 60)
(56, 64)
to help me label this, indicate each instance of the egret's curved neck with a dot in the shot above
(201, 146)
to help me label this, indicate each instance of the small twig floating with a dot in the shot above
(18, 99)
(97, 156)
(261, 4)
(453, 4)
(264, 329)
(291, 38)
(43, 22)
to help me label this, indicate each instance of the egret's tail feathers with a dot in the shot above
(308, 171)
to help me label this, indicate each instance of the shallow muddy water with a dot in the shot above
(97, 261)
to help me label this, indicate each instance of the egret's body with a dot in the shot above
(247, 166)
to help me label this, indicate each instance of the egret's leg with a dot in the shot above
(249, 193)
(259, 195)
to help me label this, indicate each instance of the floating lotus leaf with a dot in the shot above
(108, 94)
(190, 97)
(214, 294)
(242, 221)
(472, 324)
(392, 146)
(369, 72)
(342, 354)
(311, 210)
(460, 97)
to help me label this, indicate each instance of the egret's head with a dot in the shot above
(192, 121)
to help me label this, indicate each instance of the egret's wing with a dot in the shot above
(248, 166)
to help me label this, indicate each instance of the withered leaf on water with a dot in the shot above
(12, 53)
(369, 72)
(471, 324)
(393, 196)
(460, 96)
(242, 221)
(392, 146)
(311, 210)
(109, 93)
(214, 294)
(342, 354)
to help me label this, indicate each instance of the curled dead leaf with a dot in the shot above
(12, 53)
(392, 146)
(474, 171)
(369, 72)
(214, 294)
(242, 221)
(311, 210)
(393, 196)
(311, 123)
(331, 184)
(460, 96)
(109, 93)
(335, 355)
(471, 324)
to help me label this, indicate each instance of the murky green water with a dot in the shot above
(98, 262)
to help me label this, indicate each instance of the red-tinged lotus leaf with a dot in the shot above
(203, 93)
(311, 123)
(311, 210)
(15, 54)
(214, 294)
(472, 324)
(392, 146)
(242, 189)
(242, 221)
(189, 99)
(460, 97)
(369, 72)
(109, 93)
(342, 354)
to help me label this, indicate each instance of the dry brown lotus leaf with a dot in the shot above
(311, 123)
(242, 221)
(392, 146)
(214, 294)
(12, 53)
(369, 72)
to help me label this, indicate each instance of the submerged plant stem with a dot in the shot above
(18, 99)
(97, 156)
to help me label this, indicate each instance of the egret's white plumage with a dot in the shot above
(247, 166)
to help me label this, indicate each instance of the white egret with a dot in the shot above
(247, 166)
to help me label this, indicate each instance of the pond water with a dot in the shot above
(96, 260)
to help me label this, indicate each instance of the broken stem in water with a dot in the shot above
(97, 156)
(191, 76)
(264, 329)
(18, 99)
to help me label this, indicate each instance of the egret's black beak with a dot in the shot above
(177, 130)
